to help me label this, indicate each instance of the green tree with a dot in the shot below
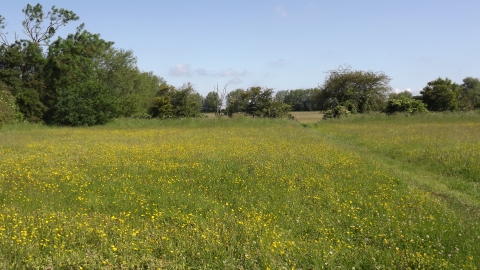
(172, 102)
(299, 99)
(161, 105)
(470, 94)
(403, 104)
(237, 101)
(211, 102)
(404, 94)
(133, 90)
(22, 61)
(186, 101)
(21, 69)
(34, 27)
(441, 95)
(77, 96)
(263, 104)
(8, 108)
(357, 90)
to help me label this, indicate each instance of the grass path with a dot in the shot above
(438, 153)
(465, 199)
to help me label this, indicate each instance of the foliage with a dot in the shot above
(172, 102)
(336, 112)
(21, 68)
(404, 104)
(257, 102)
(95, 81)
(34, 17)
(299, 99)
(237, 101)
(76, 95)
(133, 90)
(405, 94)
(211, 102)
(358, 91)
(8, 108)
(441, 95)
(470, 94)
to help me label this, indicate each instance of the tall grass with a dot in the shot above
(211, 194)
(445, 144)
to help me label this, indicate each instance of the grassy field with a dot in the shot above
(242, 194)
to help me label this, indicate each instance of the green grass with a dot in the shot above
(233, 193)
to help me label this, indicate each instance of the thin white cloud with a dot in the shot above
(202, 72)
(220, 73)
(277, 63)
(235, 81)
(180, 70)
(281, 11)
(230, 72)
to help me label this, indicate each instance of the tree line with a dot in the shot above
(84, 80)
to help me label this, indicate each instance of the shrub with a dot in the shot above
(405, 105)
(336, 112)
(8, 109)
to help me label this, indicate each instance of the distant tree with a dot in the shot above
(161, 106)
(211, 101)
(221, 96)
(186, 101)
(470, 94)
(358, 91)
(404, 94)
(441, 95)
(299, 99)
(404, 104)
(262, 103)
(172, 102)
(237, 101)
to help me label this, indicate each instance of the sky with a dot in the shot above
(281, 44)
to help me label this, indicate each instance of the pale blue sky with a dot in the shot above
(283, 44)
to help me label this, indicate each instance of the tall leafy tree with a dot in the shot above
(469, 97)
(211, 102)
(22, 61)
(21, 68)
(441, 95)
(237, 101)
(186, 101)
(77, 95)
(359, 91)
(172, 102)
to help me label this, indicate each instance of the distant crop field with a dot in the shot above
(224, 194)
(308, 117)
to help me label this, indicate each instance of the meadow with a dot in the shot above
(242, 194)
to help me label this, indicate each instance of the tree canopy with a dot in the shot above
(357, 90)
(79, 80)
(441, 95)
